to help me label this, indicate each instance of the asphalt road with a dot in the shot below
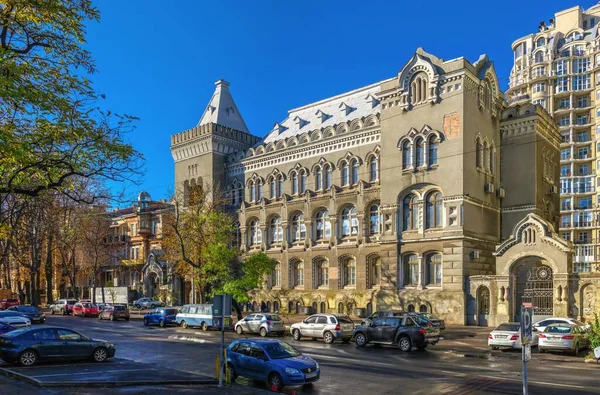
(350, 370)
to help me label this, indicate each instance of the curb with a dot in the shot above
(37, 383)
(515, 357)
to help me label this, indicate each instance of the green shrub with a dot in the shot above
(594, 332)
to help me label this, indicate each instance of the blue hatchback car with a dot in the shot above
(272, 361)
(161, 316)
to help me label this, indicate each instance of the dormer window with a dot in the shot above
(418, 89)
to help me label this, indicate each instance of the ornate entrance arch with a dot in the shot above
(533, 282)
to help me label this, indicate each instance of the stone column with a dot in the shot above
(334, 230)
(284, 242)
(421, 273)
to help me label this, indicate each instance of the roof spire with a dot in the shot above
(222, 109)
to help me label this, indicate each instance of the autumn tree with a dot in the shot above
(94, 228)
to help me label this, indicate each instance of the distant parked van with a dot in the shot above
(199, 315)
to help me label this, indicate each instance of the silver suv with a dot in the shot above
(261, 323)
(329, 327)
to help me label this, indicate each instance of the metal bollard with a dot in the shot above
(218, 367)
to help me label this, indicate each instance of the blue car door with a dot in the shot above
(258, 365)
(240, 357)
(152, 316)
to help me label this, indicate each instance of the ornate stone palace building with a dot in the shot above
(420, 192)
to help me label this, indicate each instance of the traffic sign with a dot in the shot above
(526, 325)
(527, 354)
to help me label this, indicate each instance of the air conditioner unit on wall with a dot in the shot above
(501, 193)
(474, 254)
(553, 190)
(490, 188)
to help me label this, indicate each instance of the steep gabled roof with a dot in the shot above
(222, 109)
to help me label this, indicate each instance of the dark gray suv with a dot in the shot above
(406, 332)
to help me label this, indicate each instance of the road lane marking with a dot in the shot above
(103, 371)
(536, 382)
(454, 373)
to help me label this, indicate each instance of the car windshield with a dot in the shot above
(272, 317)
(281, 350)
(344, 319)
(29, 309)
(558, 329)
(420, 320)
(508, 327)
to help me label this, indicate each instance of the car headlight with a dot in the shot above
(292, 371)
(317, 364)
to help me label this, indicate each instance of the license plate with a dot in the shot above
(311, 375)
(500, 337)
(554, 339)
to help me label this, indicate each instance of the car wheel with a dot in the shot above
(275, 382)
(576, 352)
(239, 330)
(328, 337)
(263, 332)
(232, 372)
(184, 324)
(161, 323)
(421, 347)
(28, 358)
(296, 334)
(146, 321)
(204, 326)
(405, 344)
(100, 354)
(360, 340)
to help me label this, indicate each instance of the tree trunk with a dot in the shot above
(27, 292)
(49, 272)
(237, 309)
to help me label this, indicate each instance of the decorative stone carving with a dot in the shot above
(589, 301)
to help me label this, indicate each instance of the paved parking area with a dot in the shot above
(114, 372)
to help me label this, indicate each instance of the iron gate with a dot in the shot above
(538, 290)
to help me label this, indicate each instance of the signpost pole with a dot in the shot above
(526, 335)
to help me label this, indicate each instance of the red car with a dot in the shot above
(8, 302)
(85, 310)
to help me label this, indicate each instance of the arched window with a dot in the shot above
(411, 308)
(327, 176)
(322, 307)
(344, 173)
(434, 269)
(373, 176)
(294, 184)
(486, 155)
(255, 232)
(323, 225)
(349, 272)
(411, 269)
(432, 155)
(298, 273)
(418, 89)
(479, 153)
(539, 56)
(275, 230)
(423, 309)
(374, 272)
(302, 181)
(252, 191)
(354, 165)
(279, 186)
(273, 184)
(492, 159)
(374, 220)
(298, 227)
(322, 273)
(349, 222)
(236, 236)
(410, 213)
(318, 179)
(540, 42)
(420, 152)
(406, 155)
(276, 276)
(433, 217)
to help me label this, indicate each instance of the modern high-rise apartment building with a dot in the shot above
(558, 67)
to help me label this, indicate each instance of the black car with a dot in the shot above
(382, 313)
(27, 346)
(31, 312)
(406, 332)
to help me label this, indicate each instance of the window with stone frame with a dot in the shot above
(303, 181)
(298, 273)
(434, 269)
(321, 273)
(323, 225)
(419, 88)
(276, 276)
(344, 173)
(410, 212)
(419, 152)
(354, 170)
(294, 181)
(327, 181)
(432, 155)
(255, 235)
(373, 169)
(373, 272)
(275, 231)
(434, 210)
(318, 178)
(349, 224)
(406, 155)
(349, 272)
(411, 269)
(375, 220)
(479, 153)
(298, 229)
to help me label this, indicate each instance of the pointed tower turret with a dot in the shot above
(222, 109)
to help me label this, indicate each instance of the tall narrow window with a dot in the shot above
(298, 227)
(349, 269)
(420, 152)
(406, 155)
(279, 186)
(345, 173)
(373, 169)
(407, 212)
(354, 171)
(479, 154)
(294, 183)
(486, 155)
(434, 269)
(374, 220)
(258, 190)
(327, 176)
(252, 191)
(374, 272)
(318, 179)
(273, 184)
(411, 269)
(255, 232)
(302, 181)
(322, 272)
(432, 157)
(349, 222)
(276, 276)
(298, 274)
(434, 210)
(323, 226)
(492, 159)
(276, 230)
(414, 213)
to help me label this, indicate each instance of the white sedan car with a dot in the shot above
(508, 335)
(15, 319)
(541, 325)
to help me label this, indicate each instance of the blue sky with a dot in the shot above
(158, 60)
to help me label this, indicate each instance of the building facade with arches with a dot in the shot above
(422, 192)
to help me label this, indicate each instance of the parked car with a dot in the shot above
(114, 312)
(15, 319)
(435, 321)
(63, 306)
(4, 328)
(272, 361)
(33, 313)
(199, 315)
(383, 313)
(541, 325)
(406, 332)
(8, 302)
(508, 335)
(28, 346)
(329, 327)
(261, 323)
(148, 303)
(161, 316)
(563, 337)
(85, 310)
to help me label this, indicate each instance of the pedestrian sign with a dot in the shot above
(526, 325)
